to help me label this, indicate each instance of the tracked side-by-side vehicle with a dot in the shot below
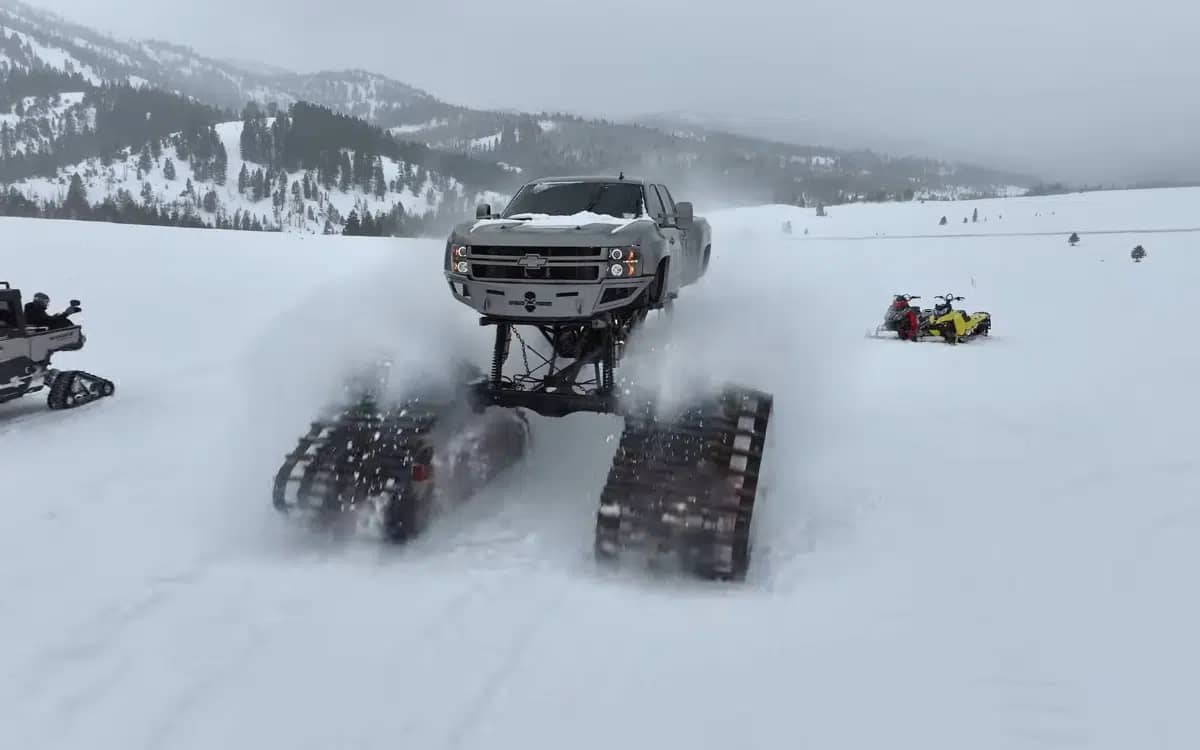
(565, 275)
(25, 351)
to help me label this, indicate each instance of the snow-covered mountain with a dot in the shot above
(729, 168)
(208, 180)
(32, 39)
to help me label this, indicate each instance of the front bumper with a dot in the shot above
(546, 301)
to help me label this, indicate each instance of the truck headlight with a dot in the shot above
(456, 256)
(626, 257)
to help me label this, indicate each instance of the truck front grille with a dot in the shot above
(545, 252)
(545, 273)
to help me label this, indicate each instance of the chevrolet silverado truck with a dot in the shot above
(576, 249)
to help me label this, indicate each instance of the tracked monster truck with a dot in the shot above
(25, 352)
(567, 271)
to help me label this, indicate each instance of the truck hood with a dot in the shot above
(582, 229)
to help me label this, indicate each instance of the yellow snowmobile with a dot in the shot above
(953, 326)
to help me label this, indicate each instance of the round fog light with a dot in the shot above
(461, 267)
(616, 269)
(615, 253)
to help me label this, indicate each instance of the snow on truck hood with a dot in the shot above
(549, 221)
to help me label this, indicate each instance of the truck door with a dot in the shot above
(654, 206)
(687, 258)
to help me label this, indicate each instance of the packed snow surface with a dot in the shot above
(986, 546)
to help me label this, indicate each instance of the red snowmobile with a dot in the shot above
(902, 318)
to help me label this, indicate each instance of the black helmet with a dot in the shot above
(41, 298)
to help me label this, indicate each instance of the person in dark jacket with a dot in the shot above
(37, 313)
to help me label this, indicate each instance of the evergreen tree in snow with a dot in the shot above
(352, 228)
(145, 162)
(243, 181)
(258, 185)
(210, 201)
(76, 205)
(380, 182)
(220, 162)
(169, 168)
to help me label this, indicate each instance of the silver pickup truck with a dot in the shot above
(576, 248)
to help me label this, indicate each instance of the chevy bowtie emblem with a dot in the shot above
(532, 261)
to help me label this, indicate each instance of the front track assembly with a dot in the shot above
(387, 466)
(683, 487)
(367, 464)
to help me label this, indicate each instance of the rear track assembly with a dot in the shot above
(73, 388)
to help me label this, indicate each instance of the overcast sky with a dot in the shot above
(1098, 90)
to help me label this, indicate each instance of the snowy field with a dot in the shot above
(989, 546)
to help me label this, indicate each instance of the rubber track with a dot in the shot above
(686, 488)
(74, 388)
(361, 455)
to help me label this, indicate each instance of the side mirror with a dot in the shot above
(684, 214)
(483, 211)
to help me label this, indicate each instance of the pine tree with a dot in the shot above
(168, 168)
(145, 162)
(220, 161)
(368, 224)
(352, 227)
(76, 205)
(346, 178)
(243, 179)
(380, 181)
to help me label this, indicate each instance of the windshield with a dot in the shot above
(622, 200)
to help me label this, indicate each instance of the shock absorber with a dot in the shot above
(500, 352)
